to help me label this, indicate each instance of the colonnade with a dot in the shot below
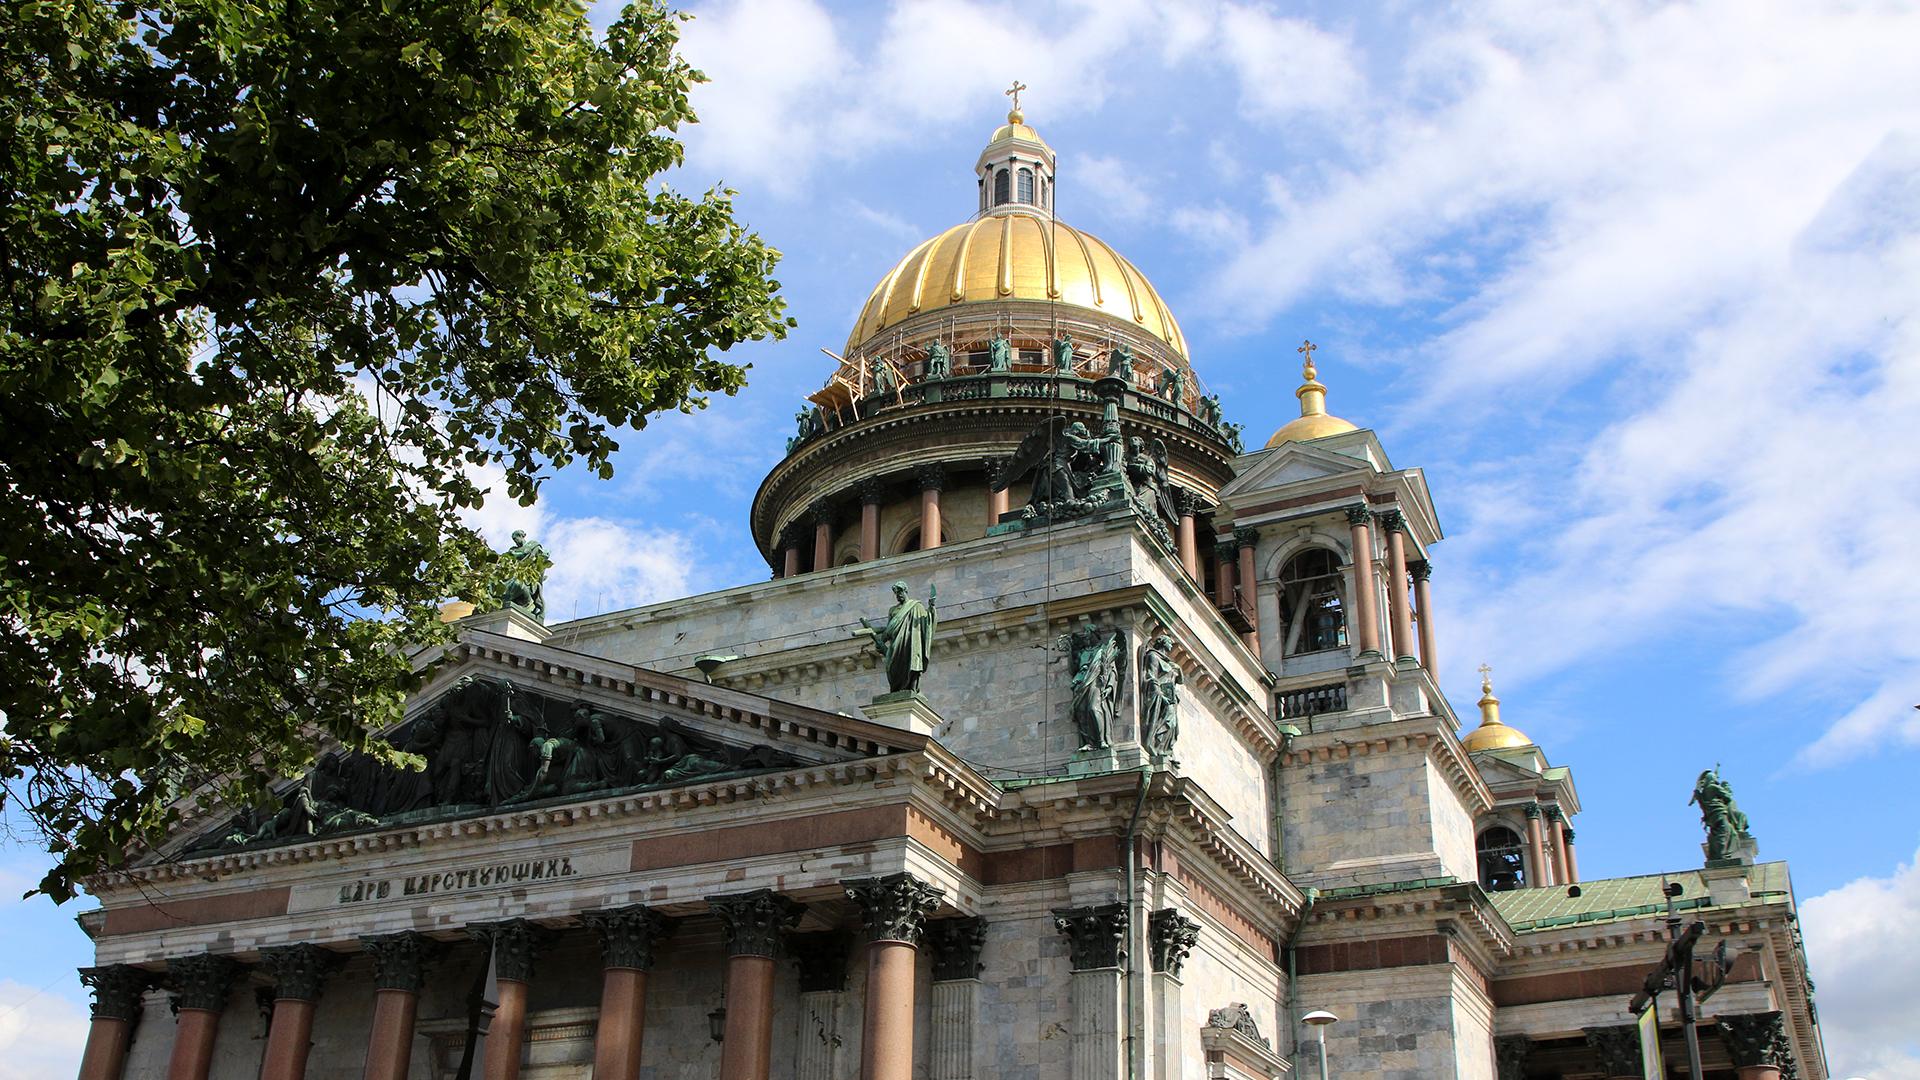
(756, 925)
(1550, 853)
(1409, 620)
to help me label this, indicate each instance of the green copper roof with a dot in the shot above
(1608, 899)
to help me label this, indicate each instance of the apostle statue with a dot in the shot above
(939, 361)
(883, 380)
(1120, 363)
(1725, 822)
(1173, 384)
(1160, 681)
(1063, 354)
(1099, 664)
(905, 641)
(525, 587)
(999, 353)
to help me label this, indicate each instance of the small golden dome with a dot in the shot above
(1313, 422)
(1016, 128)
(1492, 734)
(1016, 255)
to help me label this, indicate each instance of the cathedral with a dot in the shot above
(1069, 738)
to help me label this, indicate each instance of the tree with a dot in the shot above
(280, 281)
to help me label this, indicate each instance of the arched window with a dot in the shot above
(983, 193)
(1502, 863)
(1026, 186)
(911, 541)
(1000, 182)
(1311, 612)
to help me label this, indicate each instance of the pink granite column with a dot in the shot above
(1359, 518)
(753, 924)
(514, 943)
(1573, 864)
(1226, 557)
(1539, 873)
(822, 517)
(894, 909)
(871, 490)
(117, 1003)
(1558, 850)
(931, 479)
(200, 983)
(299, 972)
(1248, 539)
(1423, 610)
(997, 496)
(1404, 647)
(1187, 503)
(399, 971)
(627, 938)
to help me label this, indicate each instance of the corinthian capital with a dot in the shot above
(628, 935)
(1096, 936)
(895, 907)
(754, 922)
(117, 990)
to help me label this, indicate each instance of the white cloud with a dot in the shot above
(1110, 183)
(1709, 211)
(1286, 67)
(599, 564)
(1863, 943)
(41, 1033)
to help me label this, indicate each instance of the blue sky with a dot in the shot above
(1634, 283)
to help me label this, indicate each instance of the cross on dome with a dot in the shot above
(1308, 370)
(1013, 114)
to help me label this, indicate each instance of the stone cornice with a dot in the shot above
(1429, 733)
(1458, 909)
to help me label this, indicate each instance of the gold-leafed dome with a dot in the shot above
(1010, 256)
(1313, 421)
(1492, 734)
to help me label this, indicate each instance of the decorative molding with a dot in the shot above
(400, 960)
(895, 907)
(822, 960)
(754, 922)
(299, 971)
(1096, 936)
(202, 980)
(514, 942)
(118, 990)
(1170, 937)
(1617, 1047)
(628, 935)
(1237, 1018)
(956, 945)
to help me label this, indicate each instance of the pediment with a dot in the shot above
(504, 723)
(1293, 463)
(1497, 770)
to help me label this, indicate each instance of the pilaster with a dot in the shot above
(1096, 944)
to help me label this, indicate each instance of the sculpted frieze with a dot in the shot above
(489, 745)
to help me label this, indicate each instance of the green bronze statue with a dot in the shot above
(1063, 354)
(1160, 680)
(525, 587)
(1726, 824)
(999, 353)
(906, 640)
(1098, 659)
(939, 360)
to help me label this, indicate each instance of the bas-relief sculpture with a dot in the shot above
(1725, 822)
(1098, 662)
(905, 640)
(1160, 682)
(487, 745)
(526, 581)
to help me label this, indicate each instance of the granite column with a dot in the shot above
(871, 491)
(1359, 520)
(931, 479)
(893, 909)
(955, 993)
(1538, 872)
(118, 993)
(1096, 946)
(1423, 614)
(200, 986)
(514, 943)
(1558, 853)
(1248, 584)
(627, 938)
(1404, 647)
(299, 973)
(822, 517)
(399, 971)
(754, 923)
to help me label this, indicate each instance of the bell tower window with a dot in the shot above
(1026, 186)
(1001, 182)
(1311, 608)
(1502, 862)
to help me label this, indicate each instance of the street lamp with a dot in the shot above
(1320, 1018)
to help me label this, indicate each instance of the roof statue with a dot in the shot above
(905, 640)
(1728, 841)
(527, 567)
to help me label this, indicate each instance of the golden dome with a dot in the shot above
(1492, 734)
(1313, 422)
(1017, 255)
(1016, 128)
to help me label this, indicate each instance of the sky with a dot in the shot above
(1635, 284)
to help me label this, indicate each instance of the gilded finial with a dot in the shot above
(1489, 705)
(1312, 395)
(1486, 678)
(1014, 115)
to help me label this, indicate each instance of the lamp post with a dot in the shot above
(1320, 1019)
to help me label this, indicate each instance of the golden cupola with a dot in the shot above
(1492, 734)
(976, 336)
(1313, 422)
